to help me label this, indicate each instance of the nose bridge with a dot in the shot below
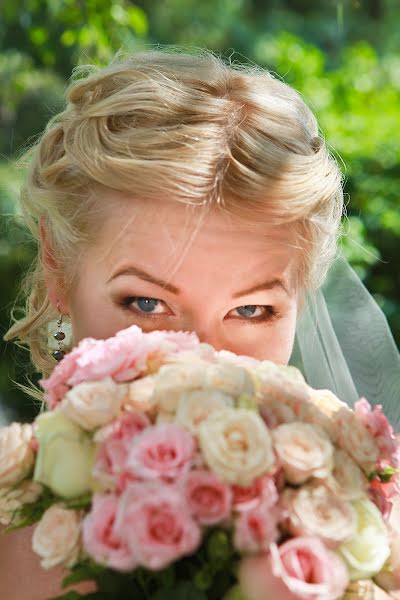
(210, 333)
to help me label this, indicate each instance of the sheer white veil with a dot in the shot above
(343, 343)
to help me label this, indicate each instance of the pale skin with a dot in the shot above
(139, 272)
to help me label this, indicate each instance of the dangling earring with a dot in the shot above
(59, 336)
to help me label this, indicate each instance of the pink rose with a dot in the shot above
(162, 346)
(256, 529)
(300, 568)
(156, 521)
(100, 539)
(164, 451)
(208, 498)
(56, 385)
(263, 489)
(380, 429)
(122, 357)
(115, 441)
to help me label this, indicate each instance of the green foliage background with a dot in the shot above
(342, 55)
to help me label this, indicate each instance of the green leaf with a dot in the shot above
(84, 571)
(29, 514)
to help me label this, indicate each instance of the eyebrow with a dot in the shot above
(258, 287)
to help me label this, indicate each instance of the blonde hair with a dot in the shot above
(187, 125)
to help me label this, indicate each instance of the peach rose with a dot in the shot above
(346, 480)
(16, 453)
(354, 437)
(12, 499)
(195, 406)
(303, 451)
(56, 538)
(236, 445)
(313, 510)
(140, 395)
(93, 404)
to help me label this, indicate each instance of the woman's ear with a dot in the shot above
(55, 288)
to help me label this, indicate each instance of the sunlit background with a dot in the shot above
(343, 56)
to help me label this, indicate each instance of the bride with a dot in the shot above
(178, 192)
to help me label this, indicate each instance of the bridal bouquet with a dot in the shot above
(164, 469)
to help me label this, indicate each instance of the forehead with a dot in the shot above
(163, 233)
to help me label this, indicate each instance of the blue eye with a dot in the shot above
(247, 311)
(254, 313)
(144, 305)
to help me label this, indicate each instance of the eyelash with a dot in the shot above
(269, 315)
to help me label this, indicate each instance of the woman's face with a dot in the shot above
(235, 286)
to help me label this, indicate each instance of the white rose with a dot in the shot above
(65, 456)
(355, 439)
(291, 372)
(276, 413)
(11, 500)
(366, 553)
(233, 380)
(93, 404)
(304, 451)
(56, 538)
(140, 395)
(230, 358)
(346, 480)
(174, 380)
(310, 413)
(16, 454)
(326, 401)
(236, 445)
(279, 386)
(196, 406)
(313, 510)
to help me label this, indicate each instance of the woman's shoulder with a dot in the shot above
(22, 577)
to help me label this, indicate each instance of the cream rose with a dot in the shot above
(57, 537)
(303, 450)
(326, 401)
(233, 380)
(16, 454)
(196, 406)
(174, 380)
(315, 511)
(11, 500)
(140, 395)
(65, 457)
(280, 385)
(94, 404)
(366, 552)
(354, 438)
(346, 480)
(320, 409)
(236, 445)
